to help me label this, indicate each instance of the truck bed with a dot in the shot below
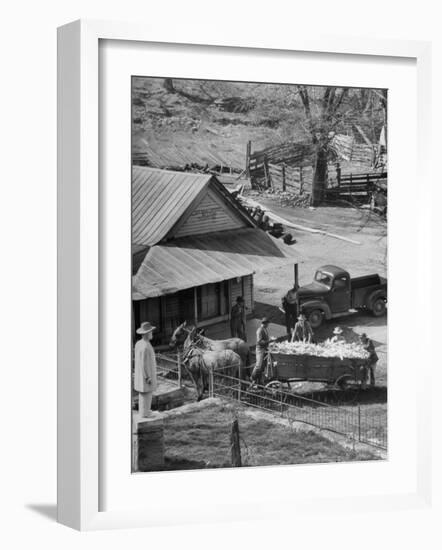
(315, 369)
(365, 281)
(362, 287)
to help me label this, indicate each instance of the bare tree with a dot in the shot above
(321, 124)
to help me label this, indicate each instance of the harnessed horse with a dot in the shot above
(183, 332)
(200, 363)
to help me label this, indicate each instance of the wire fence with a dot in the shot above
(362, 425)
(169, 367)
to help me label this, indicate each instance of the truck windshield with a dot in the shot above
(323, 278)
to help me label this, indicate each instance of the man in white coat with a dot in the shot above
(145, 378)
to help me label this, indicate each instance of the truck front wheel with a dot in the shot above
(314, 317)
(379, 307)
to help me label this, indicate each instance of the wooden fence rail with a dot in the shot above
(357, 186)
(290, 178)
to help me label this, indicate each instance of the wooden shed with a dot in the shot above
(194, 250)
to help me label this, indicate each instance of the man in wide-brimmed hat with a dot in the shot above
(238, 319)
(290, 308)
(303, 331)
(337, 335)
(145, 376)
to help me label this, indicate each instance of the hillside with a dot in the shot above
(178, 122)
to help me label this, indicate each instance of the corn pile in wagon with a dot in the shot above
(343, 350)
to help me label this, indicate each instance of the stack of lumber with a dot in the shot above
(363, 154)
(342, 146)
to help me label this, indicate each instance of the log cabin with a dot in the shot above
(195, 249)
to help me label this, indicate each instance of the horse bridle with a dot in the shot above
(191, 350)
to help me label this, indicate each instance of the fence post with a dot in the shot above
(359, 422)
(235, 444)
(178, 357)
(266, 172)
(248, 151)
(301, 181)
(210, 382)
(239, 385)
(283, 178)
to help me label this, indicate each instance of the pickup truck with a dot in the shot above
(333, 293)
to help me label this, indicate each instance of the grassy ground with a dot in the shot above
(201, 439)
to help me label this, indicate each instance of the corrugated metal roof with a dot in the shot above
(194, 261)
(159, 199)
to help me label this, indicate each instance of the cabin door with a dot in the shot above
(212, 300)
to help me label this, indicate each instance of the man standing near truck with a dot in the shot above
(290, 307)
(303, 331)
(368, 345)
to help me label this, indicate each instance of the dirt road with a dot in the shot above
(316, 250)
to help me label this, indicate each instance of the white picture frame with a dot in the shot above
(79, 475)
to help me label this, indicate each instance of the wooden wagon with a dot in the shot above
(345, 375)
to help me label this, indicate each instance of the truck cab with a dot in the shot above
(333, 293)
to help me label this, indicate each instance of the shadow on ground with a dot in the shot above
(48, 511)
(370, 396)
(274, 314)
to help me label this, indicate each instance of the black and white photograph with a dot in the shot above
(232, 254)
(259, 274)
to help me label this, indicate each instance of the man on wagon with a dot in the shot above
(262, 343)
(303, 331)
(337, 335)
(238, 319)
(368, 345)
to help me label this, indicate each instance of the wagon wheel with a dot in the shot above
(274, 385)
(346, 389)
(275, 388)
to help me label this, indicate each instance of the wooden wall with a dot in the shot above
(167, 312)
(209, 216)
(242, 288)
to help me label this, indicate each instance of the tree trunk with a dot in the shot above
(385, 112)
(320, 176)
